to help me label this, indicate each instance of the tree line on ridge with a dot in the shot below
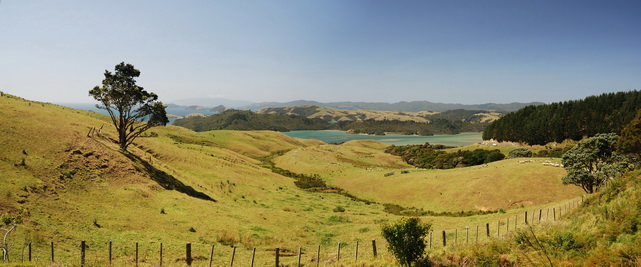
(576, 119)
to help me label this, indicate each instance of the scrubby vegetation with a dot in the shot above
(406, 239)
(520, 152)
(433, 157)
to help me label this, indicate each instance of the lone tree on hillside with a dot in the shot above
(132, 109)
(593, 162)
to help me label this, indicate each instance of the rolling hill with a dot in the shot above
(178, 186)
(352, 121)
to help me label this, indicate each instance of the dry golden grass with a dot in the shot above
(75, 187)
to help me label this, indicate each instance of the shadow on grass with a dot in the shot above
(167, 181)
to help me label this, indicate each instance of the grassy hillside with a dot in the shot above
(360, 121)
(178, 186)
(603, 231)
(334, 114)
(360, 169)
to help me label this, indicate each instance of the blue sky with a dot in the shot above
(331, 50)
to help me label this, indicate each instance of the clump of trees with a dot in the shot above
(520, 152)
(593, 162)
(248, 120)
(406, 239)
(132, 109)
(433, 157)
(556, 122)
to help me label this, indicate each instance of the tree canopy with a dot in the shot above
(556, 122)
(593, 162)
(630, 140)
(133, 110)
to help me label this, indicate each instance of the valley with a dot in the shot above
(178, 186)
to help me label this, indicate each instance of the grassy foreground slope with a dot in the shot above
(71, 187)
(178, 186)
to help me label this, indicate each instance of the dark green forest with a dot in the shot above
(248, 120)
(451, 122)
(538, 125)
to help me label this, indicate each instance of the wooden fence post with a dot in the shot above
(374, 245)
(477, 233)
(251, 264)
(82, 253)
(338, 252)
(554, 213)
(560, 211)
(487, 229)
(540, 213)
(356, 252)
(188, 258)
(211, 255)
(516, 221)
(498, 229)
(507, 225)
(233, 254)
(444, 239)
(136, 254)
(467, 230)
(525, 219)
(547, 214)
(52, 255)
(29, 251)
(431, 239)
(277, 259)
(110, 251)
(160, 254)
(299, 253)
(318, 254)
(455, 236)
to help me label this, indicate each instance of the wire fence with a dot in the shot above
(88, 253)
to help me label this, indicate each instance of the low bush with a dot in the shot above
(519, 153)
(406, 239)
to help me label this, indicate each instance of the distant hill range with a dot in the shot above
(353, 121)
(413, 106)
(404, 106)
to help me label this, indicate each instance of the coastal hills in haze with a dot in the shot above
(412, 106)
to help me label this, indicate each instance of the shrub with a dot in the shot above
(406, 239)
(519, 153)
(339, 209)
